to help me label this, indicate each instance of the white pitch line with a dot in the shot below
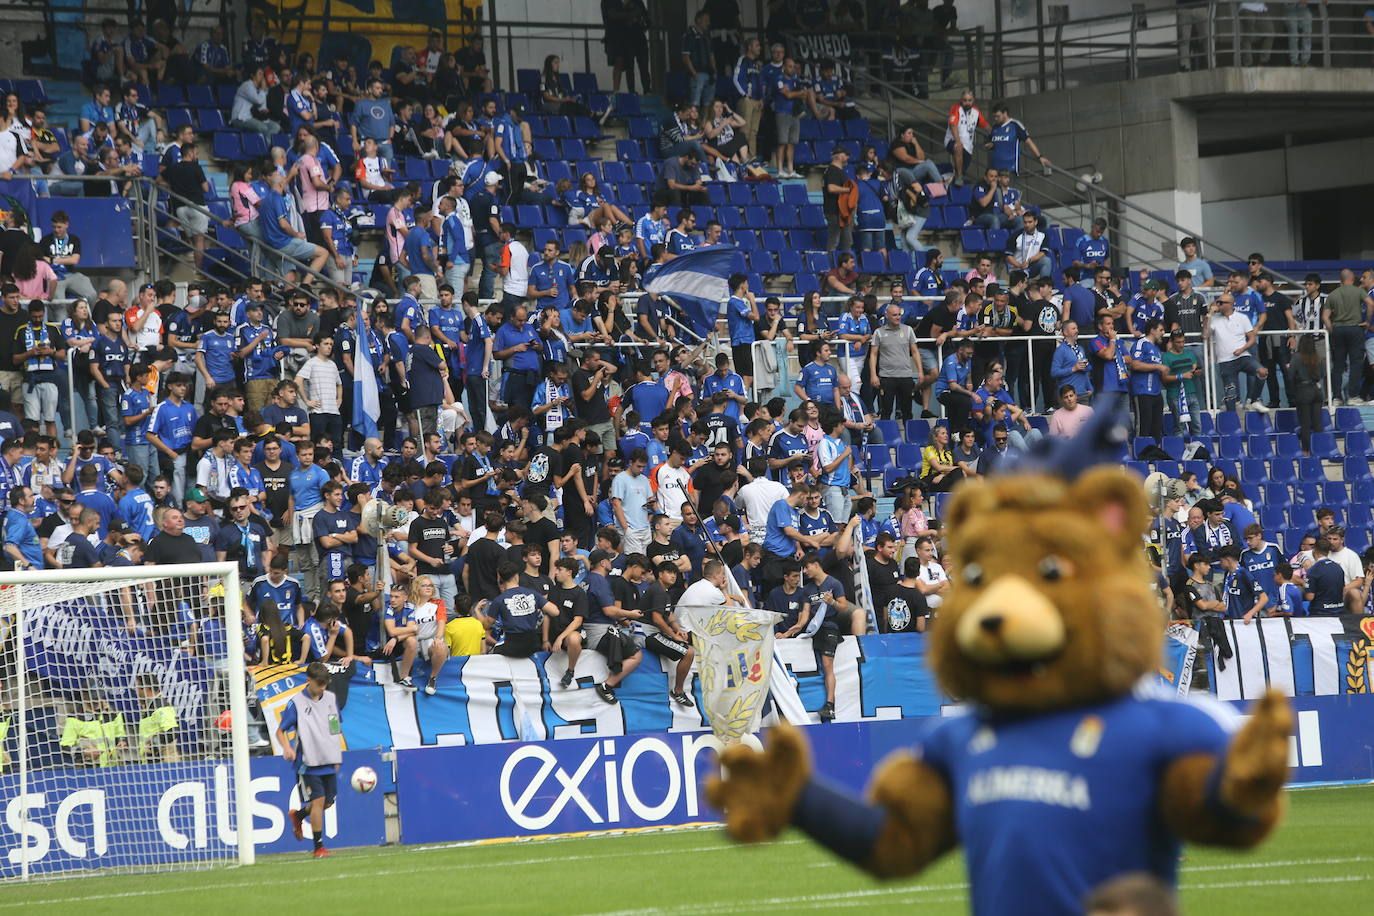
(801, 900)
(1283, 863)
(1275, 882)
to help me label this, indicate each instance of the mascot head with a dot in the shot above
(1051, 603)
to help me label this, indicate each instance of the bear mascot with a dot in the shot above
(1069, 766)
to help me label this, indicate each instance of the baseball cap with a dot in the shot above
(597, 556)
(196, 495)
(1155, 285)
(493, 178)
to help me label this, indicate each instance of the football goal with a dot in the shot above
(123, 720)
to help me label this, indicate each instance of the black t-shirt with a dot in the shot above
(359, 617)
(712, 480)
(663, 553)
(542, 585)
(48, 525)
(595, 410)
(545, 464)
(186, 179)
(571, 603)
(541, 532)
(721, 430)
(101, 311)
(733, 552)
(572, 500)
(626, 593)
(484, 558)
(1277, 308)
(936, 322)
(834, 175)
(882, 577)
(430, 536)
(166, 549)
(903, 608)
(277, 487)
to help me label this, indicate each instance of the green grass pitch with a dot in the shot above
(1316, 863)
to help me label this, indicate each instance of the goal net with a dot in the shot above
(123, 721)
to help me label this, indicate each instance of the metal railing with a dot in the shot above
(1161, 40)
(1137, 235)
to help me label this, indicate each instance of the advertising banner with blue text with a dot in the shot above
(143, 815)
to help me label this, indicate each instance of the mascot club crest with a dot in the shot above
(1357, 662)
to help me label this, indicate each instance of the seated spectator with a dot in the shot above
(986, 207)
(465, 138)
(62, 250)
(1029, 251)
(372, 172)
(141, 58)
(136, 122)
(249, 110)
(212, 58)
(555, 100)
(76, 162)
(97, 111)
(120, 175)
(103, 62)
(910, 159)
(587, 205)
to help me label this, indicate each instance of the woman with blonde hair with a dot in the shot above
(429, 615)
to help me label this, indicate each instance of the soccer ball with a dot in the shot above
(364, 779)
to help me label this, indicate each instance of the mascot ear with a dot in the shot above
(971, 498)
(1115, 500)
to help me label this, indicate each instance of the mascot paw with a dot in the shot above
(758, 791)
(1257, 761)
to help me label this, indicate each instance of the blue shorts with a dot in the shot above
(318, 785)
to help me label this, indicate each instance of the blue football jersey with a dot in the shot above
(1048, 807)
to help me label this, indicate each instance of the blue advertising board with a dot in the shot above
(144, 815)
(635, 781)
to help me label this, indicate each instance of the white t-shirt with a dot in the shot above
(151, 335)
(933, 573)
(756, 498)
(1228, 335)
(673, 485)
(517, 279)
(700, 593)
(1349, 562)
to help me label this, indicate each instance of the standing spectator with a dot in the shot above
(1194, 24)
(1070, 366)
(109, 357)
(1110, 373)
(514, 267)
(1148, 374)
(1344, 316)
(631, 499)
(1200, 270)
(953, 388)
(699, 60)
(136, 410)
(169, 431)
(518, 347)
(1181, 394)
(12, 320)
(961, 131)
(788, 97)
(1275, 350)
(312, 186)
(840, 204)
(63, 251)
(1255, 37)
(1307, 377)
(893, 365)
(748, 82)
(1185, 309)
(1233, 345)
(428, 376)
(322, 387)
(627, 41)
(1005, 139)
(39, 349)
(431, 545)
(373, 119)
(257, 347)
(187, 181)
(1307, 311)
(486, 221)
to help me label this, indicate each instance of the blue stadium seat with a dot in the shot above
(1228, 423)
(557, 170)
(1140, 443)
(1359, 514)
(211, 120)
(918, 431)
(1256, 423)
(1207, 423)
(614, 172)
(643, 129)
(1324, 446)
(642, 173)
(573, 148)
(877, 457)
(1231, 447)
(1285, 421)
(1311, 470)
(890, 477)
(1139, 468)
(177, 118)
(1273, 519)
(998, 239)
(527, 216)
(544, 148)
(941, 501)
(795, 193)
(628, 151)
(1167, 468)
(756, 217)
(973, 240)
(1276, 495)
(899, 261)
(574, 235)
(790, 262)
(1348, 419)
(200, 96)
(871, 262)
(1259, 446)
(585, 84)
(168, 96)
(909, 456)
(1357, 538)
(1334, 494)
(626, 104)
(630, 196)
(1292, 537)
(556, 127)
(1306, 497)
(1357, 443)
(527, 81)
(767, 193)
(543, 235)
(811, 217)
(227, 146)
(254, 146)
(1283, 470)
(961, 195)
(818, 262)
(740, 194)
(806, 283)
(1355, 467)
(746, 239)
(1253, 471)
(891, 430)
(1287, 445)
(773, 240)
(762, 262)
(729, 218)
(1172, 445)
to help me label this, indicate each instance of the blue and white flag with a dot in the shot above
(698, 282)
(367, 403)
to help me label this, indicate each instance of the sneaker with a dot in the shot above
(407, 683)
(566, 681)
(827, 712)
(297, 828)
(681, 698)
(322, 853)
(602, 120)
(1257, 406)
(1356, 402)
(606, 693)
(431, 689)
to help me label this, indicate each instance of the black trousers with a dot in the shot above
(899, 391)
(1309, 416)
(1275, 356)
(958, 408)
(1149, 416)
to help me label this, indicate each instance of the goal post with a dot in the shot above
(123, 720)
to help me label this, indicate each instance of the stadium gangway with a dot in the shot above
(1058, 188)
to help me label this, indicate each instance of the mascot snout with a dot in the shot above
(1011, 621)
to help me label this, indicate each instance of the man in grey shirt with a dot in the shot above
(1343, 315)
(297, 326)
(892, 362)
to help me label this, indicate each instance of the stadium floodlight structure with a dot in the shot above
(123, 720)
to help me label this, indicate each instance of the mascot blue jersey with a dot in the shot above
(1049, 807)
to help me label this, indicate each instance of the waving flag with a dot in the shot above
(698, 282)
(367, 404)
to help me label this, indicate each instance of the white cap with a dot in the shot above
(492, 178)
